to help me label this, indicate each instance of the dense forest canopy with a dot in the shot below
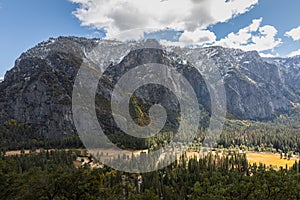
(52, 175)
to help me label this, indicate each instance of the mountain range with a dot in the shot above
(38, 89)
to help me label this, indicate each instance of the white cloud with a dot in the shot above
(1, 79)
(171, 43)
(252, 37)
(135, 16)
(294, 53)
(131, 19)
(192, 39)
(294, 33)
(268, 55)
(197, 37)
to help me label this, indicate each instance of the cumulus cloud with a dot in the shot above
(197, 37)
(192, 39)
(252, 37)
(268, 55)
(136, 16)
(294, 33)
(294, 53)
(135, 19)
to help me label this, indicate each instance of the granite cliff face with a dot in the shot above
(38, 89)
(290, 72)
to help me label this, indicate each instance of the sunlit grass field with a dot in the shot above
(270, 159)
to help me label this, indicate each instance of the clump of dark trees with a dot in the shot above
(15, 135)
(52, 175)
(280, 135)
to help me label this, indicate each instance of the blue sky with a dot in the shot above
(263, 25)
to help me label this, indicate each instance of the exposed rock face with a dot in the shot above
(290, 73)
(38, 89)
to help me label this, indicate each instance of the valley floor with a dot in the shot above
(269, 159)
